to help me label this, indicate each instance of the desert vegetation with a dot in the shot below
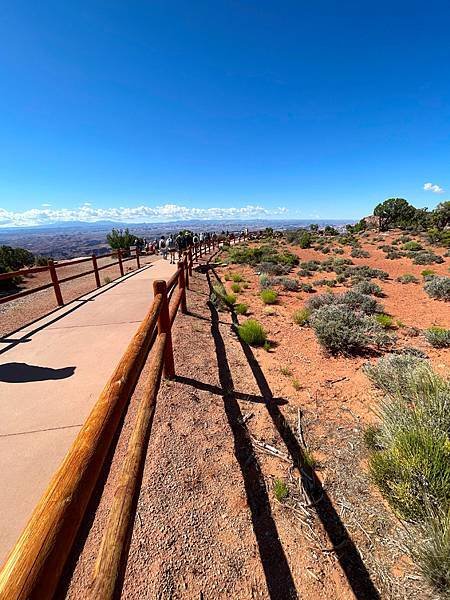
(335, 301)
(410, 457)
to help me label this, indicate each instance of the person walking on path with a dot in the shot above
(163, 247)
(171, 245)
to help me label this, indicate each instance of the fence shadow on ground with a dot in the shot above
(345, 549)
(280, 583)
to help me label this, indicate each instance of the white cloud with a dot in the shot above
(163, 213)
(433, 187)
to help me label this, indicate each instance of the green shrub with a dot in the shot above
(386, 321)
(426, 273)
(304, 241)
(296, 384)
(236, 288)
(438, 288)
(252, 332)
(411, 458)
(286, 371)
(341, 330)
(415, 465)
(301, 316)
(407, 278)
(412, 246)
(280, 489)
(237, 277)
(241, 309)
(269, 296)
(220, 298)
(439, 337)
(306, 287)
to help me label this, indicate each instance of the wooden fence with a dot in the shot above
(197, 250)
(34, 567)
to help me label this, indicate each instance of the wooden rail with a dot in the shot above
(55, 281)
(34, 567)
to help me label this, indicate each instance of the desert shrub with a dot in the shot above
(269, 296)
(237, 277)
(326, 250)
(338, 251)
(341, 330)
(280, 490)
(412, 246)
(274, 268)
(394, 254)
(370, 437)
(386, 321)
(327, 282)
(407, 278)
(236, 288)
(361, 272)
(301, 316)
(306, 287)
(304, 273)
(310, 265)
(359, 253)
(241, 309)
(289, 284)
(321, 300)
(304, 241)
(414, 466)
(368, 288)
(439, 337)
(426, 273)
(438, 288)
(264, 281)
(425, 258)
(410, 460)
(252, 332)
(266, 255)
(227, 277)
(429, 545)
(361, 302)
(221, 298)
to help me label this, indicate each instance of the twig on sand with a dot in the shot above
(270, 449)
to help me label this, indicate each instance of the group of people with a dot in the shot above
(171, 246)
(174, 245)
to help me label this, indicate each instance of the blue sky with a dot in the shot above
(151, 110)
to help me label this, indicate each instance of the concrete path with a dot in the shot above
(51, 374)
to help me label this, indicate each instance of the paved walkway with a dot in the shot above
(51, 374)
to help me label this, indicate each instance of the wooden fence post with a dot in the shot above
(186, 269)
(165, 326)
(196, 251)
(119, 258)
(182, 286)
(138, 262)
(97, 276)
(190, 261)
(56, 286)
